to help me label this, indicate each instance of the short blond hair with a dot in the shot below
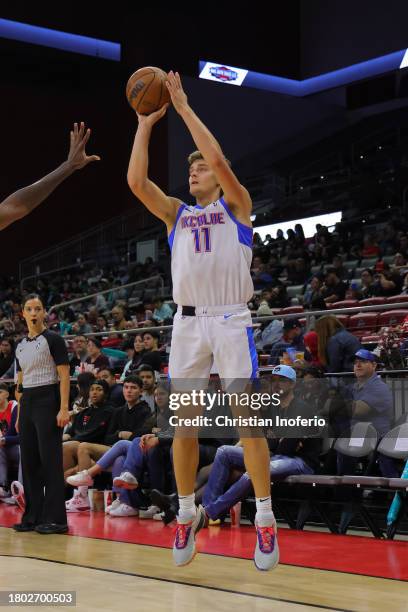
(195, 155)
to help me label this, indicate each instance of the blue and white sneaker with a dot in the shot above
(266, 554)
(184, 548)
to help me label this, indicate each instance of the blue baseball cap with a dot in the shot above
(365, 355)
(285, 371)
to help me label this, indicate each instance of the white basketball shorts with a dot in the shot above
(219, 335)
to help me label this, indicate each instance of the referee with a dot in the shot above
(42, 359)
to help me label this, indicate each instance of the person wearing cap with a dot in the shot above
(290, 454)
(292, 337)
(95, 355)
(371, 401)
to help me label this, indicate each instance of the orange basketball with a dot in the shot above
(146, 90)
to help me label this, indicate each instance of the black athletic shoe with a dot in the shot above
(168, 504)
(24, 527)
(47, 528)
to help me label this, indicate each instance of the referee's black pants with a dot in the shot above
(41, 456)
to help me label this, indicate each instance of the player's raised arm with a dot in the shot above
(23, 201)
(155, 200)
(236, 196)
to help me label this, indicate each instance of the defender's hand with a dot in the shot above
(77, 157)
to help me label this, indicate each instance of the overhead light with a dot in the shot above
(252, 217)
(379, 147)
(322, 177)
(361, 156)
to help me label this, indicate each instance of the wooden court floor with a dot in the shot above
(108, 575)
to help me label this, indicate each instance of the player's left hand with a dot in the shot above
(77, 157)
(176, 91)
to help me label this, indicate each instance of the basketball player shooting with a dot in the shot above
(211, 252)
(22, 202)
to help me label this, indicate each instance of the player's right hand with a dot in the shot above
(150, 120)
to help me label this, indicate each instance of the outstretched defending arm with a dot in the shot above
(236, 196)
(23, 201)
(155, 200)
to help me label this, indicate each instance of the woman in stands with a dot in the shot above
(336, 346)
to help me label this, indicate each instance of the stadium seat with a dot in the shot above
(374, 301)
(395, 299)
(392, 317)
(345, 304)
(363, 323)
(294, 291)
(292, 310)
(369, 262)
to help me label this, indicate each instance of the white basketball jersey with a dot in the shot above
(211, 254)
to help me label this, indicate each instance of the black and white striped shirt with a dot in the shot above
(37, 358)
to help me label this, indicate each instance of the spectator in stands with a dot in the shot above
(146, 373)
(370, 246)
(300, 235)
(403, 245)
(368, 288)
(279, 296)
(151, 451)
(313, 390)
(399, 264)
(388, 283)
(337, 346)
(289, 455)
(95, 356)
(260, 275)
(130, 422)
(84, 382)
(311, 345)
(341, 272)
(313, 298)
(115, 398)
(6, 355)
(101, 323)
(298, 272)
(119, 318)
(137, 358)
(90, 425)
(373, 402)
(292, 337)
(81, 325)
(334, 290)
(79, 355)
(404, 289)
(151, 355)
(9, 444)
(163, 313)
(274, 266)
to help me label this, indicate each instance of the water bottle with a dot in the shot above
(396, 502)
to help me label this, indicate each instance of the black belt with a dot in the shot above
(188, 311)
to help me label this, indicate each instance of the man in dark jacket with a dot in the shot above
(292, 452)
(131, 420)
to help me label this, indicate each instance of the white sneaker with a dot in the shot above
(266, 555)
(123, 510)
(125, 481)
(158, 516)
(184, 548)
(17, 491)
(149, 513)
(115, 504)
(82, 479)
(77, 503)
